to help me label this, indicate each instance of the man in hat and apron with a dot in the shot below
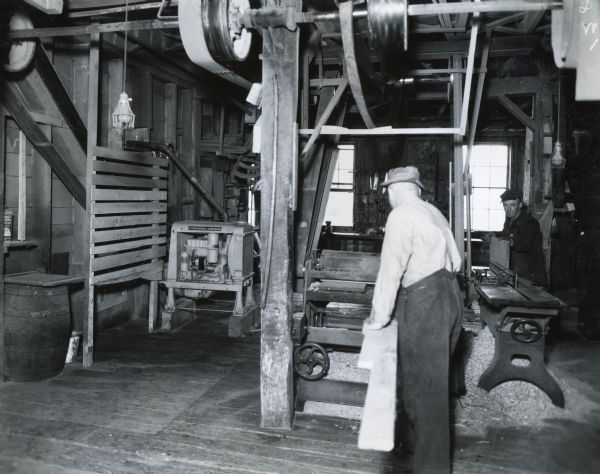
(417, 285)
(523, 231)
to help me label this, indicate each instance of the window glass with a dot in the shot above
(489, 170)
(340, 206)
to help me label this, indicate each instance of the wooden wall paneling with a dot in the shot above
(186, 107)
(65, 65)
(206, 179)
(62, 218)
(113, 89)
(280, 95)
(170, 138)
(92, 127)
(157, 115)
(196, 145)
(40, 224)
(80, 81)
(2, 158)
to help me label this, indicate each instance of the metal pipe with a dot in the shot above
(434, 9)
(491, 6)
(330, 16)
(89, 29)
(113, 10)
(166, 150)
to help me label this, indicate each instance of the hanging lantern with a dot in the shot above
(558, 160)
(123, 117)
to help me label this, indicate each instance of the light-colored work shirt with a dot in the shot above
(418, 242)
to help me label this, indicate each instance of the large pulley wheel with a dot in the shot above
(526, 331)
(311, 361)
(20, 52)
(388, 23)
(211, 30)
(227, 41)
(213, 37)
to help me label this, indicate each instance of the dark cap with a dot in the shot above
(510, 195)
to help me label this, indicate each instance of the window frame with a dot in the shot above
(509, 166)
(350, 190)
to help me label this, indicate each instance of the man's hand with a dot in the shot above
(371, 324)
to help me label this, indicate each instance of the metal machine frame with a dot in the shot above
(223, 261)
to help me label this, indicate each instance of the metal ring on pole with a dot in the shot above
(388, 22)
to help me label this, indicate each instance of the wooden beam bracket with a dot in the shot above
(16, 106)
(517, 112)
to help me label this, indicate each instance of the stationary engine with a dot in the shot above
(205, 257)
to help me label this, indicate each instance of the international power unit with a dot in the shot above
(207, 256)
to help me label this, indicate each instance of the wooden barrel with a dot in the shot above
(37, 328)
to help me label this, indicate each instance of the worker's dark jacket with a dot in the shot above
(526, 256)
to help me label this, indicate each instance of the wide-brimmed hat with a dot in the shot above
(403, 174)
(511, 195)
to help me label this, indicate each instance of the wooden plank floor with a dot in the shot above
(180, 402)
(188, 402)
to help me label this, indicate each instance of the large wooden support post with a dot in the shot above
(280, 101)
(2, 158)
(92, 137)
(459, 195)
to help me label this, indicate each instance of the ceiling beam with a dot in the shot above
(444, 20)
(13, 102)
(60, 95)
(525, 85)
(517, 45)
(531, 21)
(517, 112)
(430, 50)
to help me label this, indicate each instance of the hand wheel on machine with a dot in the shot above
(526, 331)
(311, 361)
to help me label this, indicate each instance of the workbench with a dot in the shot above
(519, 318)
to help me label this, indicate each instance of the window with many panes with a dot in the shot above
(490, 171)
(340, 206)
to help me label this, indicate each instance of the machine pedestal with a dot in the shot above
(519, 335)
